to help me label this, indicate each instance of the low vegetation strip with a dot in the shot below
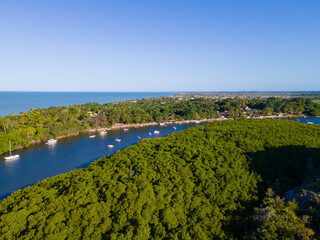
(316, 101)
(200, 183)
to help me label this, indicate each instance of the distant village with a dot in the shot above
(248, 95)
(248, 112)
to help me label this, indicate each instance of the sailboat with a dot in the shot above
(11, 157)
(51, 141)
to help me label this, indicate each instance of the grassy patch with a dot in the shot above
(316, 101)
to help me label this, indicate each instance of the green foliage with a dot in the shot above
(316, 101)
(277, 219)
(313, 206)
(42, 124)
(200, 183)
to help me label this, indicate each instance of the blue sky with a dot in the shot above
(165, 45)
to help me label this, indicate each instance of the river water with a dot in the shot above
(41, 161)
(313, 120)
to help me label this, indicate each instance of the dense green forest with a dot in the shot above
(206, 182)
(43, 124)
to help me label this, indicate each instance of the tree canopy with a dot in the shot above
(43, 124)
(200, 183)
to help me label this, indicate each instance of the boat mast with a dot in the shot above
(10, 146)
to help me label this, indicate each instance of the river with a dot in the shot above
(41, 161)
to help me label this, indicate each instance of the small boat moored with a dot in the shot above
(156, 132)
(150, 133)
(102, 132)
(51, 141)
(118, 140)
(174, 128)
(110, 146)
(138, 137)
(92, 136)
(11, 157)
(125, 129)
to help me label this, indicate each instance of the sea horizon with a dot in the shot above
(12, 102)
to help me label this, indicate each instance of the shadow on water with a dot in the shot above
(282, 169)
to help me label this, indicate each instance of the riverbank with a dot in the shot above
(138, 125)
(60, 122)
(41, 161)
(121, 126)
(124, 126)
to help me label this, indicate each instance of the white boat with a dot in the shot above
(139, 137)
(92, 136)
(110, 146)
(118, 140)
(196, 121)
(156, 132)
(126, 129)
(162, 124)
(11, 157)
(174, 128)
(102, 132)
(51, 141)
(150, 133)
(310, 122)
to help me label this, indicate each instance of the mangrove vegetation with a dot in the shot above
(224, 180)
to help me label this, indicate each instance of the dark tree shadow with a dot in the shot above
(282, 169)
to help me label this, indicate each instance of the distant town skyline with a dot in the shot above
(159, 46)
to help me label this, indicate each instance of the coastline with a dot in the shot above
(138, 125)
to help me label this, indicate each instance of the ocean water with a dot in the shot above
(14, 102)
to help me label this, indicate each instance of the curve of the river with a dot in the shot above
(41, 161)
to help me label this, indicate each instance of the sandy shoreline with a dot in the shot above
(123, 126)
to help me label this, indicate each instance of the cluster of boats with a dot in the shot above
(102, 132)
(17, 156)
